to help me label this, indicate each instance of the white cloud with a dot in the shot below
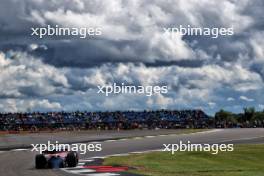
(24, 75)
(16, 105)
(230, 99)
(130, 22)
(246, 98)
(199, 72)
(258, 46)
(212, 104)
(261, 106)
(160, 101)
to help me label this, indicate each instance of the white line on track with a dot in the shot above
(99, 157)
(85, 160)
(103, 174)
(123, 139)
(80, 171)
(150, 136)
(122, 154)
(19, 149)
(110, 140)
(95, 142)
(78, 167)
(241, 139)
(138, 138)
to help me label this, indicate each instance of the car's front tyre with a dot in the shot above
(40, 161)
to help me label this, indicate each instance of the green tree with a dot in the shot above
(225, 118)
(249, 113)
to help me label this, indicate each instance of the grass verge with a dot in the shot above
(245, 160)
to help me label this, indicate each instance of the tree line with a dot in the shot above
(248, 118)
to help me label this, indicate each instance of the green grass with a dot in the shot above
(245, 160)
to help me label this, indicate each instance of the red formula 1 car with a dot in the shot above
(56, 159)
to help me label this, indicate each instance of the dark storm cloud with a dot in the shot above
(63, 73)
(129, 33)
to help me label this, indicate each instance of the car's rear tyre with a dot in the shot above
(72, 159)
(40, 161)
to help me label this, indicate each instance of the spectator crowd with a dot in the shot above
(168, 119)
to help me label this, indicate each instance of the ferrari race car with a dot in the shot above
(56, 159)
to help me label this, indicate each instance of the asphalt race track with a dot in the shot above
(21, 162)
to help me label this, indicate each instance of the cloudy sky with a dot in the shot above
(53, 74)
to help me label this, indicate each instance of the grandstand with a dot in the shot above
(168, 119)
